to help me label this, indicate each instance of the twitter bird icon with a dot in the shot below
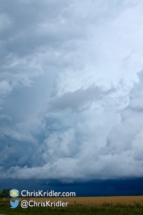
(14, 204)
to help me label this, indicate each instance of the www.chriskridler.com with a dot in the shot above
(41, 193)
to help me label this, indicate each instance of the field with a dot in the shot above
(118, 205)
(114, 200)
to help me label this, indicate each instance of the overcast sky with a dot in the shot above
(71, 89)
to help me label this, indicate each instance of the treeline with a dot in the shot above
(4, 193)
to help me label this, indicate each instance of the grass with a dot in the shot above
(128, 200)
(105, 209)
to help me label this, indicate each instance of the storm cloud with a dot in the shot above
(71, 89)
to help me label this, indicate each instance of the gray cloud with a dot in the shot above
(61, 56)
(79, 99)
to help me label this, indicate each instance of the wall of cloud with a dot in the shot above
(71, 84)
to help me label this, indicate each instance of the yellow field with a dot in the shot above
(128, 200)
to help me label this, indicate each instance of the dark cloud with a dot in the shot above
(78, 99)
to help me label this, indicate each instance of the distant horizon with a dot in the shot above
(124, 187)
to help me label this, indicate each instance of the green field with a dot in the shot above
(106, 209)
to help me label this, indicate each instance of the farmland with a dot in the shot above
(118, 205)
(114, 200)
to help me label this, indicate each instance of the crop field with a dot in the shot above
(118, 205)
(114, 200)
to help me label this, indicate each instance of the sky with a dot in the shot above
(71, 90)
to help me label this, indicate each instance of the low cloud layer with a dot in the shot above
(71, 89)
(79, 98)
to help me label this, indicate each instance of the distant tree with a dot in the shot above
(4, 193)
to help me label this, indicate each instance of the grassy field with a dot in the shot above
(125, 205)
(125, 200)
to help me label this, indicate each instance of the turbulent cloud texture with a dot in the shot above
(71, 89)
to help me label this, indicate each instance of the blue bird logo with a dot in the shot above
(14, 204)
